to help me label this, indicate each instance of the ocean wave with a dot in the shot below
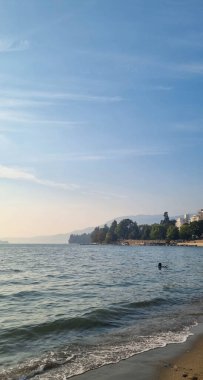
(96, 319)
(26, 294)
(77, 359)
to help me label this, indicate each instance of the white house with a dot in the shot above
(194, 218)
(197, 217)
(187, 219)
(180, 221)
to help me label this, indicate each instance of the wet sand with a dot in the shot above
(173, 362)
(188, 366)
(197, 243)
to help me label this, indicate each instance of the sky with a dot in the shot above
(101, 112)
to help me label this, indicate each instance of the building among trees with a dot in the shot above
(197, 217)
(182, 220)
(187, 219)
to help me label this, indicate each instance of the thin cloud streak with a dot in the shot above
(12, 45)
(193, 68)
(103, 195)
(22, 175)
(140, 62)
(19, 174)
(18, 117)
(13, 102)
(192, 126)
(58, 96)
(161, 88)
(106, 155)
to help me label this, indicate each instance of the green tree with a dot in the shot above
(200, 223)
(166, 218)
(102, 233)
(185, 232)
(133, 231)
(195, 228)
(172, 233)
(80, 239)
(127, 229)
(99, 234)
(95, 235)
(144, 231)
(157, 232)
(166, 221)
(111, 236)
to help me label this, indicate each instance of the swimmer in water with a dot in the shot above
(160, 266)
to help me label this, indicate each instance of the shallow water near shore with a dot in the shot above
(68, 309)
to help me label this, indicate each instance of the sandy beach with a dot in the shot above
(191, 243)
(197, 243)
(173, 362)
(189, 365)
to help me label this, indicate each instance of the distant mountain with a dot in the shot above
(142, 219)
(48, 239)
(63, 238)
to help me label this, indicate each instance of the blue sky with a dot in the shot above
(100, 111)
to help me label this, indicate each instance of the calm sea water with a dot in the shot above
(67, 309)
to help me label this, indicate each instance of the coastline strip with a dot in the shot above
(189, 243)
(172, 362)
(188, 365)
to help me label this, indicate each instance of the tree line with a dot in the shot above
(80, 239)
(127, 229)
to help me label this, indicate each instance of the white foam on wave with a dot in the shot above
(98, 356)
(75, 361)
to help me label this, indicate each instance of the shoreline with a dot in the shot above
(192, 243)
(188, 365)
(173, 362)
(189, 243)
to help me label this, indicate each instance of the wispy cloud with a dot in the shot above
(79, 97)
(191, 126)
(38, 95)
(16, 106)
(179, 68)
(192, 68)
(11, 45)
(141, 62)
(104, 195)
(101, 156)
(161, 88)
(28, 118)
(114, 56)
(20, 174)
(13, 103)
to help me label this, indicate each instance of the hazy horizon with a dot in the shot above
(100, 112)
(140, 219)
